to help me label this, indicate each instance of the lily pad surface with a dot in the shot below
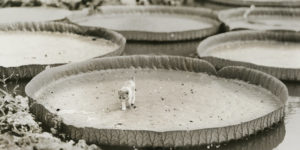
(152, 23)
(33, 45)
(261, 18)
(34, 14)
(276, 53)
(213, 107)
(269, 3)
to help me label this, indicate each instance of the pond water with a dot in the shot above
(283, 136)
(292, 120)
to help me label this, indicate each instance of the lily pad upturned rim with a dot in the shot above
(178, 48)
(60, 19)
(143, 138)
(267, 3)
(30, 70)
(228, 16)
(206, 13)
(287, 74)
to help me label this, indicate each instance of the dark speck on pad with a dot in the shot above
(94, 39)
(192, 91)
(191, 121)
(57, 109)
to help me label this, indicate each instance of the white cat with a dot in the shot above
(127, 94)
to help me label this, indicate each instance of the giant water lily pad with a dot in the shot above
(152, 23)
(272, 3)
(26, 48)
(201, 107)
(276, 53)
(261, 18)
(154, 29)
(36, 14)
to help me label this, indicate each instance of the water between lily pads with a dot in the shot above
(284, 136)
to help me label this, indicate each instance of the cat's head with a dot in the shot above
(123, 94)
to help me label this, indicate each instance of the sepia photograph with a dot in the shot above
(149, 74)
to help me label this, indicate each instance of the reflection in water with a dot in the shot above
(292, 123)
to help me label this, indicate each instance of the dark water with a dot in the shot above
(292, 121)
(292, 124)
(284, 136)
